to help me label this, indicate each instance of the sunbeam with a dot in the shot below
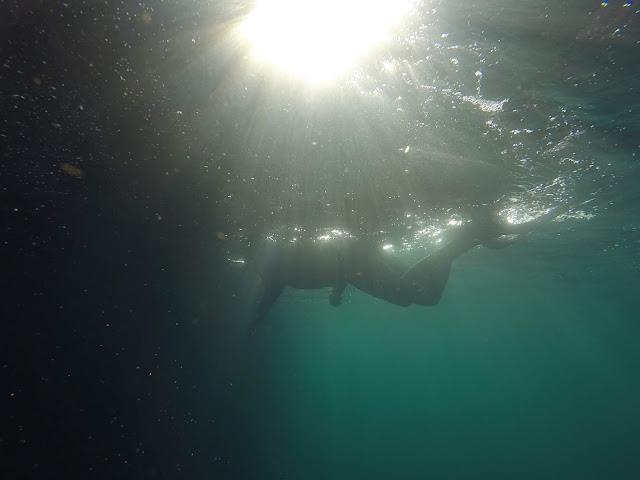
(319, 39)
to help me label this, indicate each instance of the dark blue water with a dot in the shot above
(144, 149)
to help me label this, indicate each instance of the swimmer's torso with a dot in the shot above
(309, 262)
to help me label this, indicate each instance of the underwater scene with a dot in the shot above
(281, 239)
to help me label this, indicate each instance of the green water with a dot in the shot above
(511, 376)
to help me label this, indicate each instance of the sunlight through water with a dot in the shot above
(319, 39)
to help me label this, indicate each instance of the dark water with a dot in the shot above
(143, 148)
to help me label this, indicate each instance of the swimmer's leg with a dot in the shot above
(379, 274)
(538, 222)
(271, 293)
(426, 280)
(513, 233)
(335, 297)
(503, 241)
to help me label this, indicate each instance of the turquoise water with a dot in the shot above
(145, 153)
(516, 374)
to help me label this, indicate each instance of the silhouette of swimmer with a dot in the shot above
(341, 260)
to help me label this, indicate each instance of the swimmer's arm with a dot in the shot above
(271, 294)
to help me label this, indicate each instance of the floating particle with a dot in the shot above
(72, 170)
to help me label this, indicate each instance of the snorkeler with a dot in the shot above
(336, 262)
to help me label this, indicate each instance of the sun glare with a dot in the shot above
(319, 39)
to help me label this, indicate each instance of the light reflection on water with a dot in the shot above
(423, 236)
(446, 115)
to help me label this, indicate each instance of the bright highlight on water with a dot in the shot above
(319, 39)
